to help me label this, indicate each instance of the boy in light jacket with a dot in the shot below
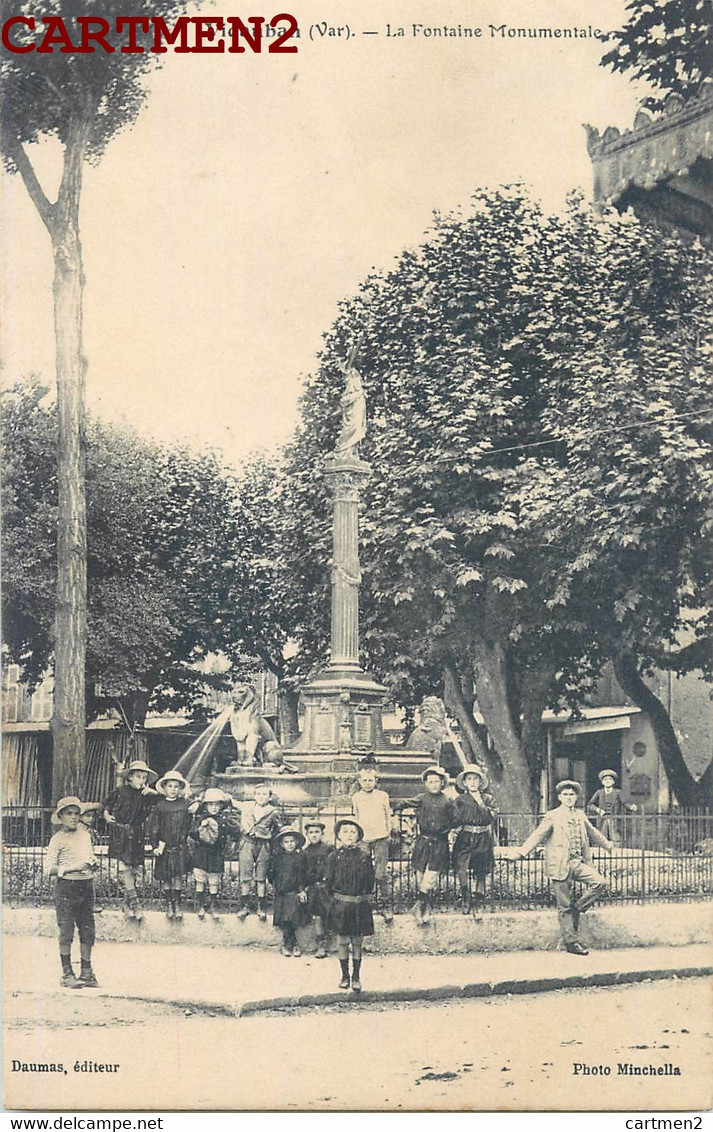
(566, 833)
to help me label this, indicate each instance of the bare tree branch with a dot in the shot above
(13, 149)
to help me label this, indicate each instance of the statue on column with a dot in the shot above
(353, 410)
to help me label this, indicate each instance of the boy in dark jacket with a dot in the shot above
(436, 816)
(350, 882)
(608, 806)
(473, 852)
(125, 812)
(167, 833)
(289, 878)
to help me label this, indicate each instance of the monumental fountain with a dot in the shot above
(343, 704)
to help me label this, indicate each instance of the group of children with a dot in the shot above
(332, 888)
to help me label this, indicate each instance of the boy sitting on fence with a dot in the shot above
(125, 811)
(566, 834)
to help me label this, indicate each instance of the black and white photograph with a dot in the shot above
(357, 745)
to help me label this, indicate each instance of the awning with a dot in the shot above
(592, 720)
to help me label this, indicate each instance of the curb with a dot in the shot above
(192, 1005)
(471, 990)
(404, 994)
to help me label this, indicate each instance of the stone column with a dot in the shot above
(346, 476)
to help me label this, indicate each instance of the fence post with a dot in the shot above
(643, 855)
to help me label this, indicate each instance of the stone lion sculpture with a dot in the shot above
(254, 738)
(430, 732)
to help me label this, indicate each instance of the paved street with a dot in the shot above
(244, 979)
(500, 1053)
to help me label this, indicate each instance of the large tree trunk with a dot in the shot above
(688, 791)
(535, 684)
(61, 219)
(134, 707)
(457, 704)
(514, 787)
(70, 625)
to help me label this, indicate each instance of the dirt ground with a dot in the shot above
(510, 1053)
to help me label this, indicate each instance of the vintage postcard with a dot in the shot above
(356, 733)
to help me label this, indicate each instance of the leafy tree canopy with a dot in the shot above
(667, 43)
(494, 358)
(44, 94)
(176, 563)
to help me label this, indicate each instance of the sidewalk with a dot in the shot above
(608, 926)
(246, 980)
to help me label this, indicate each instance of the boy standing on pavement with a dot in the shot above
(70, 858)
(372, 810)
(566, 834)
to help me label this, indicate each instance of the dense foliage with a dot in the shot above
(176, 561)
(666, 43)
(536, 405)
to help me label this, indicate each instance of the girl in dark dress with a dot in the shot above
(350, 881)
(168, 831)
(287, 871)
(315, 854)
(430, 852)
(473, 854)
(125, 812)
(215, 824)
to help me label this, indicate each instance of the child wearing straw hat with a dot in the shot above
(349, 880)
(215, 823)
(125, 812)
(70, 858)
(473, 855)
(167, 833)
(288, 874)
(429, 858)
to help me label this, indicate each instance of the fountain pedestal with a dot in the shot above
(343, 704)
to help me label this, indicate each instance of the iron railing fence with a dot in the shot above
(660, 857)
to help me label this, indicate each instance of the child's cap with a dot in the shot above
(348, 821)
(607, 774)
(171, 776)
(442, 774)
(64, 804)
(291, 831)
(314, 823)
(139, 764)
(92, 808)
